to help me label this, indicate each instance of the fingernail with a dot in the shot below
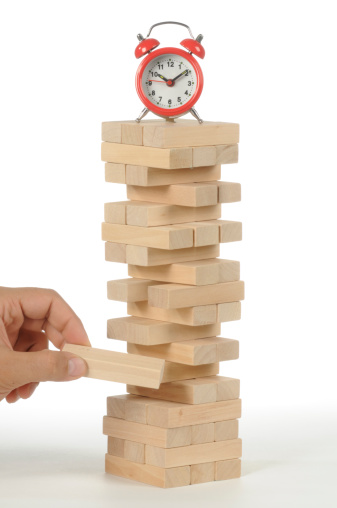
(76, 367)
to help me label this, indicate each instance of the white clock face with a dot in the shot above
(169, 81)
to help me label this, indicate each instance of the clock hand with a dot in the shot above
(156, 81)
(181, 74)
(162, 77)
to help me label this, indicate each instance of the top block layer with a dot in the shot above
(166, 134)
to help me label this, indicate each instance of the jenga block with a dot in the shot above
(229, 192)
(132, 133)
(185, 194)
(202, 473)
(116, 405)
(146, 434)
(227, 469)
(177, 371)
(173, 296)
(163, 237)
(149, 332)
(203, 433)
(115, 213)
(190, 132)
(145, 214)
(129, 407)
(230, 231)
(227, 154)
(228, 312)
(204, 233)
(115, 252)
(167, 158)
(129, 290)
(227, 388)
(120, 367)
(112, 131)
(226, 430)
(226, 349)
(193, 454)
(116, 446)
(203, 156)
(116, 173)
(134, 451)
(191, 316)
(145, 256)
(159, 477)
(145, 176)
(195, 273)
(173, 414)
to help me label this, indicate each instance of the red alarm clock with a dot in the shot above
(169, 81)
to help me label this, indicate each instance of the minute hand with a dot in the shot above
(181, 74)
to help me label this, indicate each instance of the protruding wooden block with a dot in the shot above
(163, 237)
(146, 256)
(193, 454)
(115, 213)
(226, 430)
(203, 433)
(116, 173)
(146, 434)
(129, 290)
(227, 469)
(145, 176)
(202, 473)
(192, 352)
(159, 477)
(230, 311)
(185, 194)
(191, 316)
(204, 233)
(229, 192)
(149, 332)
(230, 231)
(120, 367)
(115, 252)
(227, 154)
(173, 296)
(129, 407)
(196, 273)
(112, 131)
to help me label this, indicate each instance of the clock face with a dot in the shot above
(169, 81)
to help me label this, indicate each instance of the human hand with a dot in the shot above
(29, 319)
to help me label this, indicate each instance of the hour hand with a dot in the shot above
(162, 77)
(181, 74)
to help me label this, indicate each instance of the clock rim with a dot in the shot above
(166, 111)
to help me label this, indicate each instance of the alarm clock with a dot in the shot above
(169, 81)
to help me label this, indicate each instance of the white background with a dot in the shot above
(66, 66)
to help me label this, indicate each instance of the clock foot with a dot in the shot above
(143, 113)
(195, 114)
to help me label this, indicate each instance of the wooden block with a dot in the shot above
(115, 252)
(116, 405)
(173, 414)
(203, 433)
(226, 349)
(173, 296)
(227, 388)
(189, 132)
(166, 158)
(129, 407)
(228, 312)
(129, 290)
(145, 176)
(191, 316)
(188, 391)
(145, 214)
(112, 131)
(159, 477)
(120, 367)
(146, 434)
(226, 430)
(116, 446)
(204, 233)
(163, 237)
(193, 454)
(116, 173)
(202, 473)
(195, 273)
(134, 451)
(177, 371)
(230, 231)
(203, 156)
(149, 332)
(115, 213)
(227, 154)
(185, 194)
(229, 192)
(145, 256)
(227, 469)
(132, 133)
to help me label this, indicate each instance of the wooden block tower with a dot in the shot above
(179, 292)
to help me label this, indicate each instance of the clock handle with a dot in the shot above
(170, 23)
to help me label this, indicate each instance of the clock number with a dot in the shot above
(169, 101)
(160, 98)
(155, 74)
(186, 93)
(189, 83)
(179, 66)
(179, 99)
(153, 92)
(160, 66)
(170, 64)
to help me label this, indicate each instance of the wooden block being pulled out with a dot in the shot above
(129, 290)
(186, 194)
(120, 367)
(148, 177)
(147, 256)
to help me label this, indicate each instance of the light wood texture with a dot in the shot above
(116, 446)
(145, 256)
(226, 430)
(149, 332)
(195, 273)
(229, 192)
(146, 434)
(229, 231)
(172, 414)
(129, 407)
(230, 311)
(203, 433)
(227, 469)
(128, 450)
(191, 316)
(203, 156)
(129, 290)
(115, 213)
(192, 352)
(204, 233)
(145, 214)
(173, 296)
(202, 473)
(159, 477)
(163, 237)
(227, 154)
(167, 158)
(115, 252)
(145, 176)
(177, 371)
(116, 173)
(120, 367)
(185, 194)
(112, 131)
(193, 454)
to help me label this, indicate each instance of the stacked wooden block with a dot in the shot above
(178, 294)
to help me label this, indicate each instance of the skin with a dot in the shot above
(29, 319)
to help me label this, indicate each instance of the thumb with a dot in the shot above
(45, 366)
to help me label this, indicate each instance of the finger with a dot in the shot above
(12, 397)
(27, 390)
(31, 341)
